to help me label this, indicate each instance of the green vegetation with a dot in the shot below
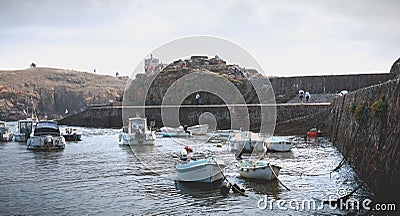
(379, 109)
(358, 112)
(352, 108)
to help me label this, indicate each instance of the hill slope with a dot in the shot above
(51, 91)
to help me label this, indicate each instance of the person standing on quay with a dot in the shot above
(197, 98)
(307, 95)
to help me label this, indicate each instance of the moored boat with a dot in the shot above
(137, 132)
(313, 133)
(258, 170)
(279, 144)
(175, 132)
(24, 130)
(46, 136)
(206, 170)
(247, 141)
(198, 129)
(5, 134)
(72, 134)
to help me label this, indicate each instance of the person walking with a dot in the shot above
(301, 95)
(307, 95)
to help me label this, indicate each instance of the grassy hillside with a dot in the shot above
(50, 91)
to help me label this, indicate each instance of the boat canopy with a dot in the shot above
(47, 128)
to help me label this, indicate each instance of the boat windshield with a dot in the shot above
(47, 128)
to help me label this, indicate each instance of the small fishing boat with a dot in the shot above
(5, 134)
(46, 136)
(221, 135)
(198, 129)
(258, 170)
(313, 133)
(72, 134)
(175, 132)
(247, 141)
(24, 129)
(279, 144)
(207, 170)
(137, 133)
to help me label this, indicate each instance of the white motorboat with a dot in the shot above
(198, 129)
(24, 129)
(137, 133)
(258, 170)
(279, 144)
(5, 134)
(46, 136)
(175, 132)
(247, 141)
(207, 170)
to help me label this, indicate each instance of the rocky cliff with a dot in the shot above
(50, 92)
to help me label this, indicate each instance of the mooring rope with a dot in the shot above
(276, 176)
(222, 172)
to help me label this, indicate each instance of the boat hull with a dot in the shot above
(198, 129)
(72, 137)
(20, 138)
(261, 171)
(130, 139)
(278, 144)
(201, 171)
(45, 143)
(280, 147)
(173, 132)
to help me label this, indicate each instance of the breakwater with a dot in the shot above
(326, 84)
(111, 116)
(366, 130)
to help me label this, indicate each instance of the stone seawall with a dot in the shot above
(326, 84)
(111, 117)
(366, 130)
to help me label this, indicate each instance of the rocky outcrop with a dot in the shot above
(154, 86)
(50, 92)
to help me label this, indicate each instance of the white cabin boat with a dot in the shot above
(24, 130)
(5, 134)
(247, 141)
(198, 129)
(137, 133)
(258, 170)
(207, 170)
(279, 144)
(46, 136)
(175, 132)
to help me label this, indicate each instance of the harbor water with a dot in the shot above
(96, 176)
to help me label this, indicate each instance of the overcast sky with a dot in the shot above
(287, 38)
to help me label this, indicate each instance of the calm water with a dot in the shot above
(97, 176)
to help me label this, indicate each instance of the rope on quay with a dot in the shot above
(273, 172)
(226, 188)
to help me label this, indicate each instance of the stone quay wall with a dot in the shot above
(111, 116)
(366, 130)
(326, 84)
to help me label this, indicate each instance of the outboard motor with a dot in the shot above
(183, 155)
(185, 128)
